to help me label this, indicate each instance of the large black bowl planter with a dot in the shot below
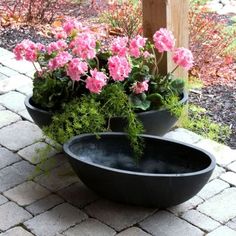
(169, 172)
(39, 116)
(156, 122)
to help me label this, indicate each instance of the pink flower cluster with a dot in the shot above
(164, 40)
(119, 68)
(183, 57)
(119, 46)
(136, 44)
(59, 61)
(96, 82)
(71, 25)
(28, 50)
(140, 87)
(59, 45)
(84, 46)
(76, 68)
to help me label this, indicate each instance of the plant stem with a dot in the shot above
(174, 69)
(34, 66)
(97, 62)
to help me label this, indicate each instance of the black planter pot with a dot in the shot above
(169, 172)
(39, 116)
(156, 122)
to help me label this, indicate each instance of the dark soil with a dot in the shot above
(220, 104)
(219, 100)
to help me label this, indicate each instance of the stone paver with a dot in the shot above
(11, 214)
(222, 231)
(221, 207)
(201, 221)
(116, 215)
(188, 205)
(17, 231)
(58, 178)
(26, 89)
(232, 167)
(25, 133)
(134, 231)
(217, 172)
(7, 71)
(212, 188)
(57, 220)
(165, 223)
(26, 193)
(2, 108)
(8, 117)
(229, 177)
(6, 53)
(2, 77)
(32, 152)
(90, 227)
(232, 224)
(53, 162)
(223, 154)
(78, 194)
(13, 101)
(15, 174)
(7, 157)
(2, 199)
(44, 204)
(20, 66)
(14, 82)
(183, 135)
(25, 115)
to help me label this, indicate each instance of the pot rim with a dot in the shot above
(182, 101)
(32, 107)
(75, 139)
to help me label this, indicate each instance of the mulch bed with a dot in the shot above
(218, 96)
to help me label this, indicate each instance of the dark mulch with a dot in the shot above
(220, 104)
(219, 100)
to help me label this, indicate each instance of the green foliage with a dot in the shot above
(92, 113)
(51, 92)
(173, 105)
(81, 115)
(198, 122)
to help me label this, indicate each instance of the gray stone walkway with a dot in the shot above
(59, 204)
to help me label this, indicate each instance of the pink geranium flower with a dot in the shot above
(59, 61)
(140, 87)
(136, 44)
(96, 82)
(59, 45)
(84, 46)
(70, 25)
(119, 68)
(119, 46)
(164, 40)
(26, 49)
(76, 68)
(183, 57)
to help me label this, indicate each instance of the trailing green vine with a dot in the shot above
(92, 114)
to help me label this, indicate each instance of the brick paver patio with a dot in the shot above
(59, 204)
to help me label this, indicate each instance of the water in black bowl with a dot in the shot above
(167, 174)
